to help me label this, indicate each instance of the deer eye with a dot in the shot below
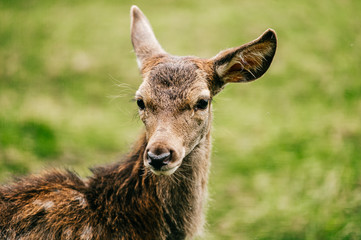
(201, 104)
(141, 104)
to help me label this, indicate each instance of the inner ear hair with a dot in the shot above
(247, 62)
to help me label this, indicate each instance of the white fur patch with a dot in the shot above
(205, 93)
(87, 233)
(45, 204)
(68, 233)
(81, 201)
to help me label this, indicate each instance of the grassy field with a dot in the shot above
(287, 148)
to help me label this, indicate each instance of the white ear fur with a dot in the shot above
(143, 39)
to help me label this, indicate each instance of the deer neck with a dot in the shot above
(184, 193)
(173, 203)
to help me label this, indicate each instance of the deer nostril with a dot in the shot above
(158, 160)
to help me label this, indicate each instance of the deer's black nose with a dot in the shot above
(158, 160)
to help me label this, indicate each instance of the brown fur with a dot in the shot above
(132, 199)
(121, 201)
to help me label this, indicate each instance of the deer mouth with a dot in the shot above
(167, 171)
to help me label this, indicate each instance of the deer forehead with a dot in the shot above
(176, 82)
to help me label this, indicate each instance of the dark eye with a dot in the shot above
(202, 104)
(140, 104)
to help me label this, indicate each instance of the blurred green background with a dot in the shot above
(287, 148)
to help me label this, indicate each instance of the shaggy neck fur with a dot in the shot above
(121, 201)
(136, 204)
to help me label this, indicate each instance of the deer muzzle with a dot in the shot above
(163, 155)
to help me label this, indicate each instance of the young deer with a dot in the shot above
(159, 189)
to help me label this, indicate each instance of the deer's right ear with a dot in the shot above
(247, 62)
(144, 41)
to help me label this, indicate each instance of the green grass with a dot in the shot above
(287, 148)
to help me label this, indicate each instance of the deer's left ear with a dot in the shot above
(247, 62)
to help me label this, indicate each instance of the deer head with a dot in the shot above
(175, 96)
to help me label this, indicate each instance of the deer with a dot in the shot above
(159, 189)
